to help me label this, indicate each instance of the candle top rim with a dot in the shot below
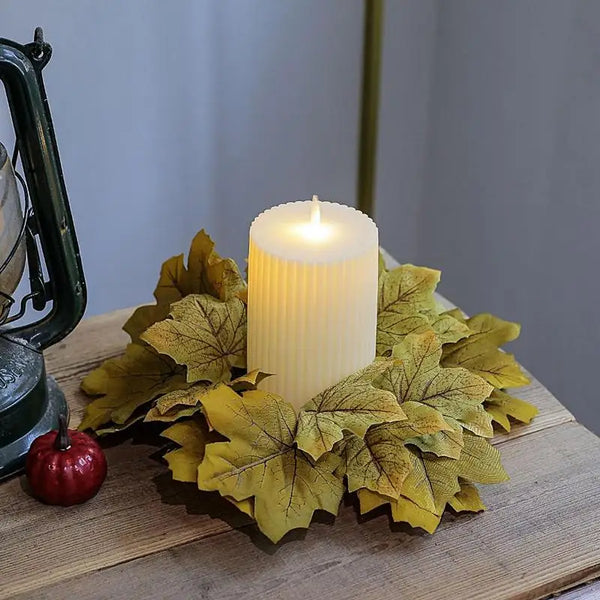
(286, 232)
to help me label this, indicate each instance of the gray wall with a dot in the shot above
(188, 114)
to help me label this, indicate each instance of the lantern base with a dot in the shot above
(30, 403)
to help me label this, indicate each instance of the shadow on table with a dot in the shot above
(212, 504)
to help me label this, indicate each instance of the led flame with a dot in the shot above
(315, 211)
(314, 231)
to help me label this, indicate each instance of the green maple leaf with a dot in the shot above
(127, 383)
(261, 461)
(352, 405)
(206, 335)
(455, 392)
(380, 461)
(481, 355)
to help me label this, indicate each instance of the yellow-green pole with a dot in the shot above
(373, 26)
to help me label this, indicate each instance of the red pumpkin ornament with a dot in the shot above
(65, 467)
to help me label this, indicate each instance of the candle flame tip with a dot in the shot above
(315, 211)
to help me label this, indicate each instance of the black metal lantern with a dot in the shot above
(37, 231)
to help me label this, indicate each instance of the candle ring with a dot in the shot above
(405, 422)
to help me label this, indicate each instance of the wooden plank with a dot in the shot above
(139, 510)
(540, 535)
(94, 340)
(129, 518)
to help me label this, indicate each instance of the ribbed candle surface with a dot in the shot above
(312, 296)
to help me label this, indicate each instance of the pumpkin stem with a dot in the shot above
(63, 441)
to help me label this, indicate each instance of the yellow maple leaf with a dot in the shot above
(449, 329)
(467, 499)
(248, 381)
(186, 403)
(128, 382)
(481, 355)
(448, 442)
(380, 461)
(169, 289)
(206, 273)
(407, 305)
(206, 335)
(501, 406)
(193, 436)
(261, 461)
(352, 405)
(405, 298)
(433, 482)
(179, 403)
(455, 392)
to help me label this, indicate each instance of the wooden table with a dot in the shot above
(145, 536)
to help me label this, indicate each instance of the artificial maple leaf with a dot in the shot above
(417, 375)
(186, 403)
(457, 314)
(114, 428)
(128, 382)
(501, 406)
(380, 461)
(246, 506)
(449, 329)
(352, 405)
(405, 298)
(405, 510)
(481, 355)
(179, 403)
(170, 288)
(433, 482)
(204, 334)
(402, 510)
(447, 442)
(248, 381)
(382, 266)
(193, 436)
(467, 499)
(261, 461)
(206, 273)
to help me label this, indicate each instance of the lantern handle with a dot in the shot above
(21, 72)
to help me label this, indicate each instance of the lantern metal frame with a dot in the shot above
(30, 401)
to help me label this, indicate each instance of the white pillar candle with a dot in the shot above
(312, 296)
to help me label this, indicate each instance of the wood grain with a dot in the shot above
(140, 512)
(540, 534)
